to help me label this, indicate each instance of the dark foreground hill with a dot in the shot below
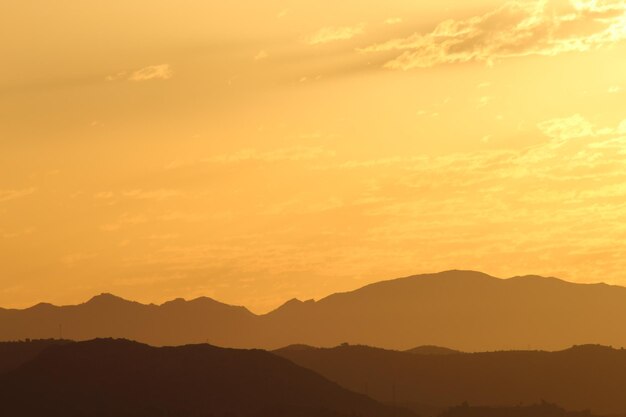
(580, 378)
(535, 410)
(463, 310)
(122, 378)
(14, 354)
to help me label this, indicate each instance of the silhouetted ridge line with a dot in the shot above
(586, 377)
(432, 350)
(14, 354)
(108, 377)
(106, 298)
(536, 410)
(461, 310)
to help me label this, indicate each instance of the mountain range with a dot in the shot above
(106, 377)
(462, 310)
(585, 377)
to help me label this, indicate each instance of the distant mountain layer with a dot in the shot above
(588, 377)
(463, 310)
(120, 378)
(431, 350)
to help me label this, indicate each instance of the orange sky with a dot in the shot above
(258, 151)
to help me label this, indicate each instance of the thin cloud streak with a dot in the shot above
(152, 72)
(513, 30)
(8, 195)
(333, 34)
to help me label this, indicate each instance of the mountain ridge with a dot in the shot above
(104, 377)
(447, 273)
(583, 377)
(462, 310)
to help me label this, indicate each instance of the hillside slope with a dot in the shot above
(122, 378)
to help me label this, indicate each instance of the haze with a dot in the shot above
(258, 151)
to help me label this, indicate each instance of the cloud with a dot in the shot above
(125, 219)
(393, 21)
(140, 194)
(557, 205)
(571, 127)
(515, 29)
(284, 154)
(160, 194)
(153, 72)
(8, 195)
(263, 54)
(332, 34)
(104, 195)
(11, 235)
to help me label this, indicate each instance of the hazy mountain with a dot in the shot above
(463, 310)
(583, 377)
(468, 311)
(122, 378)
(175, 322)
(431, 350)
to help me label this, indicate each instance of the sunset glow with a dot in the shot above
(254, 152)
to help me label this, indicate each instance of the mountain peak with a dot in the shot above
(293, 305)
(293, 302)
(538, 278)
(462, 274)
(432, 350)
(174, 302)
(590, 348)
(105, 299)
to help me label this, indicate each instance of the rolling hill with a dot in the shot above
(123, 379)
(586, 377)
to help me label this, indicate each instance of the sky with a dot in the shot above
(256, 151)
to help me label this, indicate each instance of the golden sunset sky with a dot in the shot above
(255, 151)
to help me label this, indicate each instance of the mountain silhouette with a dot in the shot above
(14, 354)
(121, 378)
(175, 322)
(543, 409)
(462, 310)
(432, 350)
(587, 377)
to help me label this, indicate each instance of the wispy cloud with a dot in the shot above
(261, 55)
(557, 205)
(284, 154)
(393, 21)
(332, 34)
(153, 72)
(19, 233)
(8, 195)
(571, 127)
(160, 194)
(139, 194)
(125, 219)
(515, 29)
